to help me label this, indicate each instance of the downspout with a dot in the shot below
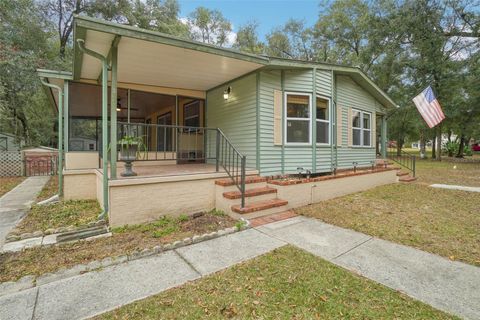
(81, 46)
(314, 120)
(60, 134)
(334, 123)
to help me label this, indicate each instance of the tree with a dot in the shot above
(25, 44)
(209, 26)
(247, 39)
(294, 40)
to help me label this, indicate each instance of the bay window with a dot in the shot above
(297, 120)
(361, 128)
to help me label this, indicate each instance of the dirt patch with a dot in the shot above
(49, 190)
(8, 183)
(125, 240)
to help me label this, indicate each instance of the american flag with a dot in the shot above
(429, 107)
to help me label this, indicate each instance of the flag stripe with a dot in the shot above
(429, 108)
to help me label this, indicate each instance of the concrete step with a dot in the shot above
(249, 193)
(259, 206)
(402, 173)
(248, 180)
(407, 179)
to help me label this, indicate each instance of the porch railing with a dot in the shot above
(185, 144)
(403, 158)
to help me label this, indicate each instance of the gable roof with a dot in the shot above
(187, 64)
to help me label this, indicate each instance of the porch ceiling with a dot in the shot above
(151, 58)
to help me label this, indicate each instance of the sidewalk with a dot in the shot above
(93, 293)
(450, 286)
(14, 204)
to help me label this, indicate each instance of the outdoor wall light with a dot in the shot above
(119, 105)
(227, 92)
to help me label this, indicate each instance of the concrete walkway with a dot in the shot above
(447, 285)
(455, 187)
(450, 286)
(14, 204)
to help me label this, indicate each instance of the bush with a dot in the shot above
(451, 149)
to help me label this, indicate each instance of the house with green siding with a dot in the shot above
(145, 118)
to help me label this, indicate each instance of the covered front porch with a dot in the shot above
(133, 84)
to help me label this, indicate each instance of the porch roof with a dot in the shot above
(152, 58)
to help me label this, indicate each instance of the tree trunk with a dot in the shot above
(399, 147)
(439, 143)
(434, 146)
(461, 147)
(423, 154)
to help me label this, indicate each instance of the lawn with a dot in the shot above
(466, 174)
(125, 240)
(49, 190)
(440, 221)
(61, 214)
(287, 283)
(8, 183)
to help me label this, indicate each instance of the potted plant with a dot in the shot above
(129, 149)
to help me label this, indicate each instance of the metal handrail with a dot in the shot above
(200, 143)
(405, 159)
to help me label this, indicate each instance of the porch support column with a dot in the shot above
(66, 110)
(81, 45)
(113, 115)
(383, 136)
(60, 134)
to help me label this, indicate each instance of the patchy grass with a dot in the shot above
(8, 183)
(61, 214)
(49, 190)
(287, 283)
(465, 174)
(440, 221)
(125, 240)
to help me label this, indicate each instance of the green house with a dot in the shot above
(203, 112)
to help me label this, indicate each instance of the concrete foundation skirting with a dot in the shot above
(303, 194)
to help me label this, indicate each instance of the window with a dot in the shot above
(323, 121)
(361, 128)
(191, 114)
(297, 118)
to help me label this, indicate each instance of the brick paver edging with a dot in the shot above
(31, 281)
(293, 181)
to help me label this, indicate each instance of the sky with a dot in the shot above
(268, 13)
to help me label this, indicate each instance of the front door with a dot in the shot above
(164, 134)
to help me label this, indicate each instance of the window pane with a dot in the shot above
(192, 122)
(366, 138)
(297, 106)
(356, 137)
(322, 109)
(322, 132)
(366, 121)
(192, 109)
(297, 131)
(356, 119)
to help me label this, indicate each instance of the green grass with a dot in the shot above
(62, 214)
(287, 283)
(8, 183)
(466, 174)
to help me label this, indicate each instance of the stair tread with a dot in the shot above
(260, 205)
(249, 193)
(249, 179)
(402, 173)
(407, 179)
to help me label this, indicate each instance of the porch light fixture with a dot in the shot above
(227, 92)
(119, 105)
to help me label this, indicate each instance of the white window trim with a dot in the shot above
(362, 130)
(309, 119)
(329, 121)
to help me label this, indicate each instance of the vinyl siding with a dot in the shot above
(237, 116)
(351, 95)
(294, 156)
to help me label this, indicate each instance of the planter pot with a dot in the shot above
(128, 154)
